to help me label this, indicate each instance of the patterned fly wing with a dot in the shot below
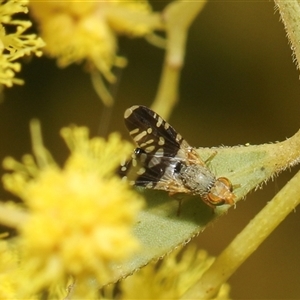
(165, 161)
(151, 133)
(159, 151)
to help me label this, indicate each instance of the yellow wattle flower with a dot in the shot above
(87, 30)
(15, 42)
(79, 217)
(170, 278)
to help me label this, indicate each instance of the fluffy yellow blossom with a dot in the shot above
(86, 31)
(171, 278)
(8, 266)
(16, 43)
(12, 274)
(79, 218)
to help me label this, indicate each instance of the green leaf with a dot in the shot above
(161, 229)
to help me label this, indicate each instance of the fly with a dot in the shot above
(163, 160)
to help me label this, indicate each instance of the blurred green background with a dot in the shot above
(239, 85)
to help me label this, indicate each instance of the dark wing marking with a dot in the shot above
(138, 171)
(151, 133)
(160, 150)
(161, 176)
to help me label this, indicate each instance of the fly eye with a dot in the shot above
(215, 200)
(226, 182)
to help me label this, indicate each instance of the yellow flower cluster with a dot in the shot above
(8, 266)
(79, 218)
(171, 278)
(77, 31)
(17, 43)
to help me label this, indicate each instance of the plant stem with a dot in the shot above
(290, 15)
(177, 18)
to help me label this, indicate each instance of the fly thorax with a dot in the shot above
(197, 179)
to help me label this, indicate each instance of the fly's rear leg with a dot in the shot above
(210, 158)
